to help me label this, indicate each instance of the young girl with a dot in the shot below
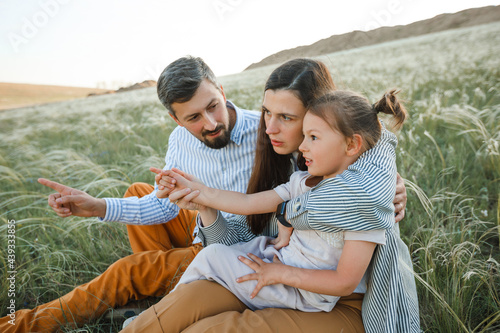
(343, 139)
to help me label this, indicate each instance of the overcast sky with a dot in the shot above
(115, 42)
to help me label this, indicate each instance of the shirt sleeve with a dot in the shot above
(148, 209)
(224, 231)
(283, 191)
(375, 236)
(232, 231)
(358, 199)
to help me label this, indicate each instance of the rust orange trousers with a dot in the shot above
(161, 254)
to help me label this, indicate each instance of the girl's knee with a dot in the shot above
(213, 250)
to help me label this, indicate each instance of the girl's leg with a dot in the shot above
(220, 263)
(151, 273)
(188, 304)
(344, 318)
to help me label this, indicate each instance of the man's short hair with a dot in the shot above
(179, 81)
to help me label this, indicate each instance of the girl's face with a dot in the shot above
(323, 148)
(283, 114)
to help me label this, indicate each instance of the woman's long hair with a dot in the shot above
(307, 79)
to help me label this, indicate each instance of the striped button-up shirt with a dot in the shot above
(227, 168)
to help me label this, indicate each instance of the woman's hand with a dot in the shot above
(265, 273)
(183, 198)
(175, 179)
(400, 199)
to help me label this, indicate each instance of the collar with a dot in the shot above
(237, 131)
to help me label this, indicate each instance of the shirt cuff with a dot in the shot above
(296, 212)
(212, 233)
(113, 210)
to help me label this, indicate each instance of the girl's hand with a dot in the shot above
(165, 183)
(283, 238)
(265, 273)
(400, 199)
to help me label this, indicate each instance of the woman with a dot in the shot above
(206, 306)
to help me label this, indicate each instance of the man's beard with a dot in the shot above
(219, 142)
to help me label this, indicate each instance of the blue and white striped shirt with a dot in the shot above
(361, 199)
(358, 199)
(227, 168)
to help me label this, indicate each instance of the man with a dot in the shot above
(215, 140)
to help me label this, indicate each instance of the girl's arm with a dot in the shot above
(184, 199)
(216, 229)
(227, 201)
(353, 263)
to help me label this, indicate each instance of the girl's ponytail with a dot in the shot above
(350, 113)
(389, 104)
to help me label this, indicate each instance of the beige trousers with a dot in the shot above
(205, 306)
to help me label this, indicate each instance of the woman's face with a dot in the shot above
(283, 114)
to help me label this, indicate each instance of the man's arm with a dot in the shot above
(148, 209)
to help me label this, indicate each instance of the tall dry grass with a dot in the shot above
(448, 153)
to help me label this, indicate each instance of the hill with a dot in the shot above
(355, 39)
(15, 95)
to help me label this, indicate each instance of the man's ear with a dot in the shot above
(175, 119)
(223, 95)
(354, 145)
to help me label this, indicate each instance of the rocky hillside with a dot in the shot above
(355, 39)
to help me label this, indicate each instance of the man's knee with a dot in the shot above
(138, 190)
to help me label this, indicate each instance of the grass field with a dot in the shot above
(448, 154)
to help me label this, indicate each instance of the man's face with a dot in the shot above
(205, 116)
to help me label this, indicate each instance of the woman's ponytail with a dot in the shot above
(389, 104)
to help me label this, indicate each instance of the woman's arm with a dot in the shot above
(227, 201)
(353, 263)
